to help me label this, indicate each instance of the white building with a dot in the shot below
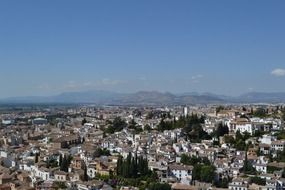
(42, 173)
(60, 176)
(267, 139)
(278, 145)
(238, 184)
(8, 121)
(242, 125)
(260, 167)
(185, 111)
(182, 172)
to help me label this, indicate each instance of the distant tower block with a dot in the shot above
(185, 111)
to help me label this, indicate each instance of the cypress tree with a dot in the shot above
(135, 165)
(64, 164)
(133, 168)
(140, 165)
(85, 176)
(128, 165)
(119, 166)
(124, 169)
(37, 158)
(48, 163)
(145, 166)
(60, 160)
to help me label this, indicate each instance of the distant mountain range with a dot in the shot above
(148, 98)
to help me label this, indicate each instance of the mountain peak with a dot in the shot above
(149, 98)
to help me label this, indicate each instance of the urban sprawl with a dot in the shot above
(84, 147)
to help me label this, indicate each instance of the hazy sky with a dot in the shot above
(222, 46)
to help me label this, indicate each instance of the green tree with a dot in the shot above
(283, 115)
(247, 167)
(207, 173)
(63, 166)
(83, 121)
(132, 124)
(132, 167)
(117, 125)
(85, 176)
(260, 112)
(147, 127)
(240, 140)
(193, 160)
(128, 165)
(150, 115)
(193, 128)
(60, 160)
(229, 139)
(203, 173)
(218, 109)
(119, 166)
(66, 160)
(37, 157)
(258, 180)
(221, 130)
(222, 183)
(101, 152)
(196, 173)
(165, 125)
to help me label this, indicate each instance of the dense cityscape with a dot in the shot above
(142, 95)
(235, 147)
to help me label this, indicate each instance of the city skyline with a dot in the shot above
(142, 95)
(221, 47)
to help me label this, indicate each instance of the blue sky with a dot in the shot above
(224, 47)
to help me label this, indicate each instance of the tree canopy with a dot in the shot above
(193, 160)
(83, 121)
(258, 180)
(204, 173)
(194, 130)
(247, 167)
(221, 130)
(116, 125)
(66, 161)
(101, 152)
(132, 167)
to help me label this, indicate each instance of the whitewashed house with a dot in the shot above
(182, 172)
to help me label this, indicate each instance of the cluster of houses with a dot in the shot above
(31, 154)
